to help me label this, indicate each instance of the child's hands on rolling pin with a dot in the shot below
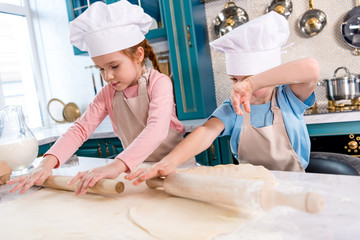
(90, 178)
(36, 176)
(160, 169)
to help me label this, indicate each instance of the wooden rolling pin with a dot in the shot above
(233, 192)
(104, 186)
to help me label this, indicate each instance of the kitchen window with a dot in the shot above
(19, 82)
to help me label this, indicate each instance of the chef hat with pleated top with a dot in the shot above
(255, 46)
(104, 29)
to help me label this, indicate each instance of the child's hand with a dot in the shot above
(160, 169)
(241, 94)
(90, 178)
(36, 176)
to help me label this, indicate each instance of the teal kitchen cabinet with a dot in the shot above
(335, 128)
(98, 148)
(101, 148)
(190, 58)
(218, 153)
(92, 148)
(153, 8)
(43, 149)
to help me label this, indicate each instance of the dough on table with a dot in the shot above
(242, 171)
(137, 213)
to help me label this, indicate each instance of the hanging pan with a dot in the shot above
(282, 7)
(313, 21)
(350, 28)
(229, 18)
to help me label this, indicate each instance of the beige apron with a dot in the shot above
(268, 146)
(131, 115)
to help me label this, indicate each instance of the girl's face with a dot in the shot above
(119, 70)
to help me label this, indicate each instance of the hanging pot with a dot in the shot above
(342, 88)
(229, 18)
(350, 28)
(283, 7)
(313, 21)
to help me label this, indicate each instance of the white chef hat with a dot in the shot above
(254, 46)
(104, 29)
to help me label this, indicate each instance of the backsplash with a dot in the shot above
(327, 47)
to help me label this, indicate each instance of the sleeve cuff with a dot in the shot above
(58, 162)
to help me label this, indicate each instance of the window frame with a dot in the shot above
(25, 11)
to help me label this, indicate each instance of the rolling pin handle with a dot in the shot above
(119, 187)
(305, 201)
(155, 182)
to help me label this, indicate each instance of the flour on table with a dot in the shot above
(242, 171)
(137, 213)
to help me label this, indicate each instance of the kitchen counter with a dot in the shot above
(50, 134)
(337, 220)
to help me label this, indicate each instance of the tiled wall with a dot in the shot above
(327, 47)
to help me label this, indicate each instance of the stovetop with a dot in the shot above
(333, 107)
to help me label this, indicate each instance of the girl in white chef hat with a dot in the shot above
(271, 131)
(138, 100)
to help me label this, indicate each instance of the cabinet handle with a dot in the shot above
(107, 150)
(100, 151)
(188, 35)
(212, 149)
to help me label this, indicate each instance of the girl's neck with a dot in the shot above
(262, 96)
(140, 72)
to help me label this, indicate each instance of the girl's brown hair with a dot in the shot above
(148, 53)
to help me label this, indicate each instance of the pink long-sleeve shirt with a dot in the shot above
(161, 116)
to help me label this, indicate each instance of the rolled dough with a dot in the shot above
(242, 171)
(137, 213)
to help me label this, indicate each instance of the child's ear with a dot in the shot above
(139, 54)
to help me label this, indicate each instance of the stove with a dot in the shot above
(323, 105)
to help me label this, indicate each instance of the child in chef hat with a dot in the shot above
(138, 100)
(271, 131)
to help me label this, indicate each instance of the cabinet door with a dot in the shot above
(211, 156)
(155, 10)
(114, 147)
(190, 58)
(225, 150)
(92, 148)
(43, 149)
